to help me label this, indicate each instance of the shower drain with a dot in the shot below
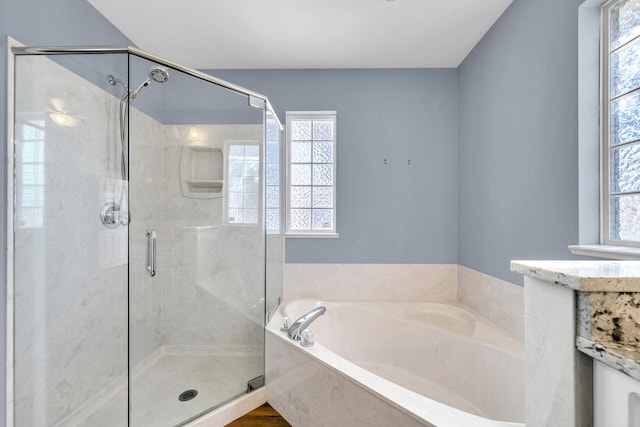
(185, 396)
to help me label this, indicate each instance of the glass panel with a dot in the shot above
(322, 219)
(275, 239)
(625, 119)
(322, 174)
(323, 197)
(625, 22)
(625, 168)
(322, 130)
(300, 197)
(625, 69)
(301, 130)
(198, 323)
(300, 219)
(625, 217)
(300, 174)
(70, 271)
(323, 152)
(301, 152)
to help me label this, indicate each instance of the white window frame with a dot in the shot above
(310, 115)
(605, 148)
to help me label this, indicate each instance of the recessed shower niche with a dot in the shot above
(201, 172)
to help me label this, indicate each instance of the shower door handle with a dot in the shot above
(151, 252)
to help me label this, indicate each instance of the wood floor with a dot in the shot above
(264, 416)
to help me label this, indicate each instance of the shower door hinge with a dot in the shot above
(255, 383)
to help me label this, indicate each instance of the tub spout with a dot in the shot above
(303, 322)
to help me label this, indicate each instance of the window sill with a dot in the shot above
(312, 235)
(607, 251)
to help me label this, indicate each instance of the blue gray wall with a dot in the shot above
(385, 214)
(39, 22)
(518, 139)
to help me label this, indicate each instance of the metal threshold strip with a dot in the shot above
(60, 50)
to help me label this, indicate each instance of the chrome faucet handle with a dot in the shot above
(286, 324)
(306, 338)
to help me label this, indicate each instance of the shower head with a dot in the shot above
(156, 74)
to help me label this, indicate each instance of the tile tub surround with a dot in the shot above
(499, 301)
(371, 282)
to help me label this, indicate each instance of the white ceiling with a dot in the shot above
(305, 33)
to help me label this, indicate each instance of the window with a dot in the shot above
(243, 178)
(272, 175)
(311, 182)
(621, 123)
(30, 170)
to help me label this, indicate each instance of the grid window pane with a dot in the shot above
(625, 69)
(300, 197)
(273, 152)
(251, 184)
(301, 219)
(625, 217)
(625, 119)
(323, 130)
(301, 130)
(323, 152)
(323, 219)
(625, 22)
(273, 220)
(300, 174)
(273, 197)
(273, 174)
(301, 152)
(625, 168)
(322, 174)
(322, 197)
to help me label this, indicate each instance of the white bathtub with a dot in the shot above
(395, 364)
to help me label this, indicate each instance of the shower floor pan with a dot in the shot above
(217, 374)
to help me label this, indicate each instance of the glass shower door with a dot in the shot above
(197, 245)
(69, 269)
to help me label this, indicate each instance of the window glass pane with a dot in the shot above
(625, 217)
(322, 174)
(323, 152)
(273, 196)
(625, 168)
(235, 215)
(251, 184)
(301, 130)
(625, 22)
(323, 130)
(300, 197)
(273, 152)
(250, 216)
(625, 69)
(300, 174)
(236, 168)
(235, 200)
(236, 152)
(300, 219)
(273, 174)
(301, 152)
(322, 219)
(236, 183)
(625, 119)
(273, 219)
(251, 201)
(322, 197)
(251, 168)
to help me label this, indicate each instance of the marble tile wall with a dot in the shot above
(499, 301)
(371, 282)
(70, 279)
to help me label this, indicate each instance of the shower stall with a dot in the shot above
(145, 235)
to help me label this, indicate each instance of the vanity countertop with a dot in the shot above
(584, 276)
(624, 357)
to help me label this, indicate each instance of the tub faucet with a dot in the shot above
(303, 322)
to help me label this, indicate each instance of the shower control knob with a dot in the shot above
(286, 324)
(306, 338)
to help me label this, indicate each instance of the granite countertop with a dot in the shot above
(584, 276)
(608, 306)
(624, 357)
